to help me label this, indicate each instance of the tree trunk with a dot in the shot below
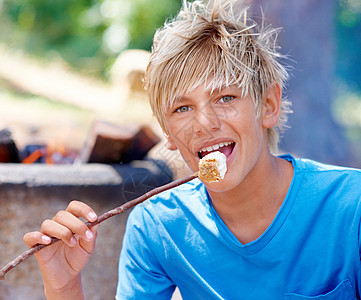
(308, 38)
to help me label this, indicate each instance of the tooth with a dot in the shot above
(215, 147)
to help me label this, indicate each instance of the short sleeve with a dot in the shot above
(140, 274)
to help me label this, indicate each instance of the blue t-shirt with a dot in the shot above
(310, 251)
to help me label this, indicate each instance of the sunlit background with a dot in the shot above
(67, 64)
(58, 70)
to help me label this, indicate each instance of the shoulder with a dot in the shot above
(315, 168)
(328, 172)
(325, 183)
(171, 205)
(171, 217)
(325, 196)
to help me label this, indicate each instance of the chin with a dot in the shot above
(221, 186)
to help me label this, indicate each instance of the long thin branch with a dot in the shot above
(116, 211)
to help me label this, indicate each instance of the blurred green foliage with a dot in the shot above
(348, 37)
(87, 34)
(147, 15)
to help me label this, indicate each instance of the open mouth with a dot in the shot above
(226, 148)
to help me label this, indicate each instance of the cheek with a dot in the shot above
(182, 134)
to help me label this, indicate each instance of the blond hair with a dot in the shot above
(214, 45)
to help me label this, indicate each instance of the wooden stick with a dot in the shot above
(116, 211)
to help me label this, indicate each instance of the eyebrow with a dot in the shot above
(180, 99)
(216, 92)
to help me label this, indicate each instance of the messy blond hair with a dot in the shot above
(211, 43)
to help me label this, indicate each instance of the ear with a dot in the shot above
(271, 107)
(169, 143)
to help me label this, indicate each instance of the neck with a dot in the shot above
(251, 207)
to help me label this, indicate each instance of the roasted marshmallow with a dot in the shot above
(212, 167)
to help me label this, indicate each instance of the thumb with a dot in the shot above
(88, 241)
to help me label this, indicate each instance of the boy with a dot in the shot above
(273, 228)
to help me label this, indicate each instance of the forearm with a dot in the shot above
(73, 290)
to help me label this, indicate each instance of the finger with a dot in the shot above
(95, 228)
(36, 237)
(86, 245)
(89, 248)
(55, 229)
(74, 224)
(81, 209)
(89, 245)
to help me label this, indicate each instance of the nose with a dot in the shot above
(206, 120)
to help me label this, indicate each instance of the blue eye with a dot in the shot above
(226, 99)
(183, 109)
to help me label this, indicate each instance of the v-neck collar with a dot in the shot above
(252, 247)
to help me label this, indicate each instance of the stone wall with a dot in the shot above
(30, 194)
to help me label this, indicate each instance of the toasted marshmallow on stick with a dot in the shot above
(212, 167)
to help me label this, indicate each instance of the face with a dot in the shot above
(200, 122)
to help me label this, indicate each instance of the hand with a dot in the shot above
(62, 262)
